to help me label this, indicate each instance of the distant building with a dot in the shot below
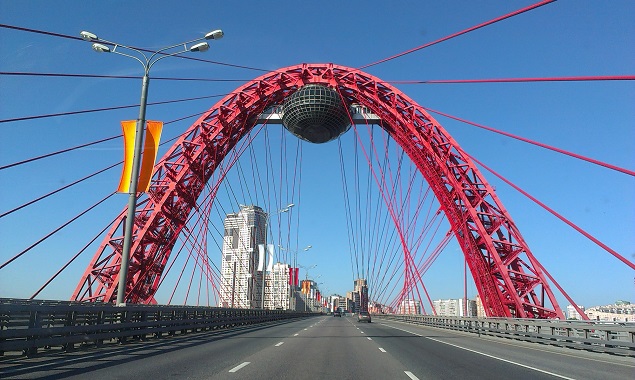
(621, 311)
(455, 307)
(343, 303)
(241, 284)
(409, 306)
(360, 295)
(572, 313)
(480, 309)
(377, 308)
(277, 287)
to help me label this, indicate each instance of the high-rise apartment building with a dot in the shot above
(409, 306)
(241, 284)
(455, 307)
(277, 287)
(360, 294)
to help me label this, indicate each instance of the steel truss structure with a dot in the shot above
(506, 274)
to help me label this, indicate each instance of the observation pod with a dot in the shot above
(315, 113)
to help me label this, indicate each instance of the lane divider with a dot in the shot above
(279, 344)
(238, 367)
(411, 375)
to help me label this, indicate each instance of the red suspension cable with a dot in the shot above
(591, 160)
(539, 4)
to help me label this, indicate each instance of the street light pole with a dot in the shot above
(147, 64)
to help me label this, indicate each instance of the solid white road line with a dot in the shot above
(279, 344)
(235, 369)
(411, 375)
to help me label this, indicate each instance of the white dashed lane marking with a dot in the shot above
(235, 369)
(411, 375)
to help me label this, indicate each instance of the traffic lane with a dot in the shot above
(428, 359)
(180, 357)
(331, 348)
(549, 360)
(568, 362)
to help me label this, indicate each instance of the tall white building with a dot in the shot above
(455, 307)
(409, 306)
(241, 284)
(277, 287)
(572, 313)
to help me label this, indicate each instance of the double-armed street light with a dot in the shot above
(101, 46)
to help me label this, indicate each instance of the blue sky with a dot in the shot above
(565, 38)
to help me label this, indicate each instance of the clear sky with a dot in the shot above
(565, 38)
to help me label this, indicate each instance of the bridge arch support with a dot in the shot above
(507, 275)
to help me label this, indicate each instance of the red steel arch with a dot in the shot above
(507, 276)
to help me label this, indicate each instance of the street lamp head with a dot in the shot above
(290, 205)
(214, 35)
(308, 247)
(88, 36)
(100, 48)
(203, 46)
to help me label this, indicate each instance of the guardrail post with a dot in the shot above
(158, 317)
(69, 323)
(100, 321)
(607, 338)
(34, 324)
(4, 325)
(123, 319)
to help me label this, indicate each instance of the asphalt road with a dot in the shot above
(326, 348)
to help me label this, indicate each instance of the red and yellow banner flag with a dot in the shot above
(149, 155)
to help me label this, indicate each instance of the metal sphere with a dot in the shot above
(315, 113)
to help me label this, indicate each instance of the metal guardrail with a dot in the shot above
(29, 325)
(612, 337)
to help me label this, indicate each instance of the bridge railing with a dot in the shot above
(27, 326)
(613, 337)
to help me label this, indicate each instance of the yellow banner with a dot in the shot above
(149, 155)
(128, 127)
(151, 148)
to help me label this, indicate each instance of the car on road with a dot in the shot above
(337, 313)
(363, 316)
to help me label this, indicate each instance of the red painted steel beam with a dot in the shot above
(504, 270)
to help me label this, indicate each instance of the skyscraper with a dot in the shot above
(241, 284)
